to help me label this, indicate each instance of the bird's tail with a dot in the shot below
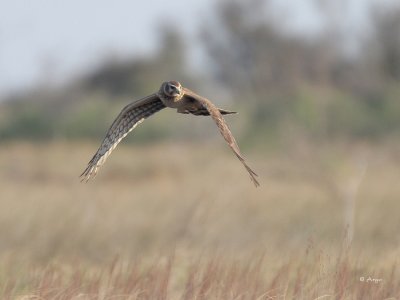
(226, 112)
(205, 112)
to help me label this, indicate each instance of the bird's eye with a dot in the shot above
(173, 87)
(170, 89)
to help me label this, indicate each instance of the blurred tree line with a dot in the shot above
(285, 85)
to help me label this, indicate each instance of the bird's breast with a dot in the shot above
(171, 102)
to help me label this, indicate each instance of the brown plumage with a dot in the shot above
(173, 95)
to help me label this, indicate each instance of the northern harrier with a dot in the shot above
(173, 95)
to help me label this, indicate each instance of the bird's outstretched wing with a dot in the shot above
(223, 128)
(130, 116)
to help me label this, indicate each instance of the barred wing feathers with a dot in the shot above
(224, 130)
(130, 116)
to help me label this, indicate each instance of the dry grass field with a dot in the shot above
(163, 221)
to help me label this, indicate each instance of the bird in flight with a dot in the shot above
(173, 95)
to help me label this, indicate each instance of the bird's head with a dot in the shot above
(171, 88)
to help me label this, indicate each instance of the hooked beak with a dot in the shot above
(176, 90)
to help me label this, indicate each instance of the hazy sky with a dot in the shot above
(56, 38)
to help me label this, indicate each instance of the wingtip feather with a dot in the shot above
(88, 173)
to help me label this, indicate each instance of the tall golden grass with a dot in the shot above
(183, 221)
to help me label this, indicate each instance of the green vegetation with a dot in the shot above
(282, 84)
(179, 219)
